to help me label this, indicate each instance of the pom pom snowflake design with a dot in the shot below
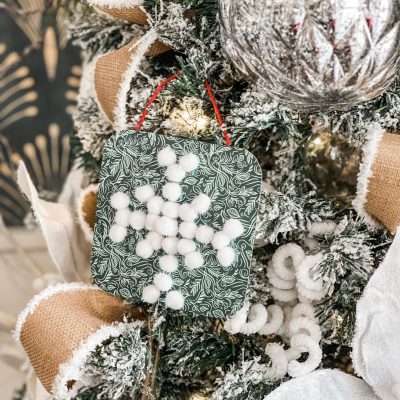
(165, 231)
(168, 222)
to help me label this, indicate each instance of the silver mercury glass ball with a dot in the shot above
(314, 54)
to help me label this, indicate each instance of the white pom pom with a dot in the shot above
(170, 245)
(194, 260)
(122, 217)
(117, 233)
(171, 191)
(174, 300)
(186, 212)
(168, 263)
(120, 200)
(170, 209)
(175, 173)
(187, 229)
(204, 234)
(163, 282)
(226, 256)
(201, 203)
(151, 220)
(144, 193)
(150, 294)
(144, 249)
(167, 226)
(137, 219)
(189, 162)
(154, 239)
(154, 205)
(233, 228)
(186, 246)
(166, 157)
(220, 240)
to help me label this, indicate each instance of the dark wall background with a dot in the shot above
(39, 80)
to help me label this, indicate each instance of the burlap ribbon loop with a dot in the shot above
(383, 197)
(114, 71)
(378, 190)
(60, 320)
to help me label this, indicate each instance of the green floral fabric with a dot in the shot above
(230, 177)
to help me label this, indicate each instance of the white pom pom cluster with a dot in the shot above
(171, 228)
(291, 277)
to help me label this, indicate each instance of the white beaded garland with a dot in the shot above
(220, 240)
(150, 294)
(119, 200)
(167, 226)
(204, 234)
(186, 246)
(117, 233)
(194, 260)
(256, 319)
(285, 295)
(154, 205)
(187, 230)
(201, 203)
(279, 363)
(168, 263)
(288, 253)
(170, 245)
(163, 282)
(144, 249)
(226, 256)
(155, 240)
(137, 219)
(166, 157)
(170, 209)
(277, 282)
(234, 324)
(175, 300)
(303, 272)
(302, 325)
(171, 191)
(186, 213)
(175, 173)
(274, 320)
(306, 344)
(304, 310)
(233, 228)
(144, 193)
(189, 162)
(122, 217)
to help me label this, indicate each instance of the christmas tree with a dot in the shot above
(317, 241)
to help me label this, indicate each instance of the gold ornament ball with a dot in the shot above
(332, 164)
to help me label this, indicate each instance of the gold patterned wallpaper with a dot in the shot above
(39, 81)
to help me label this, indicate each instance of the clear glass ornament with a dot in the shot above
(314, 54)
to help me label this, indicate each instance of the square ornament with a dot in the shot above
(175, 222)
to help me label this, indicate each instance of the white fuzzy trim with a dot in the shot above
(370, 149)
(115, 3)
(72, 369)
(44, 295)
(86, 229)
(120, 110)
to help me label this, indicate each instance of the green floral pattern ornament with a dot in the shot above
(175, 222)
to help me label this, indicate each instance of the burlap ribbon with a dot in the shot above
(114, 71)
(62, 325)
(378, 194)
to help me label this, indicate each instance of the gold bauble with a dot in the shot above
(332, 164)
